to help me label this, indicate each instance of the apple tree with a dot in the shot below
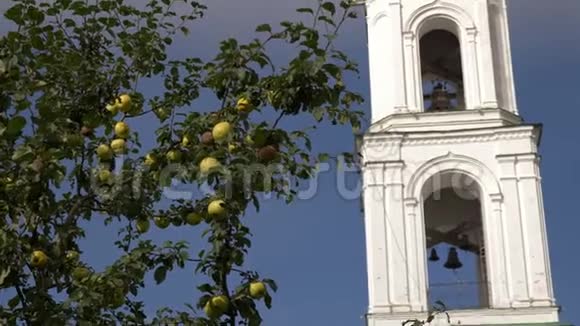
(70, 154)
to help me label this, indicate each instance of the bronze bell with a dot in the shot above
(453, 260)
(440, 99)
(433, 256)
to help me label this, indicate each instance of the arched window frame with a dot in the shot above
(449, 17)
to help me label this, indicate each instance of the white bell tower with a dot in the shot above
(452, 189)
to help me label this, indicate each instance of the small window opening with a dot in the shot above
(441, 72)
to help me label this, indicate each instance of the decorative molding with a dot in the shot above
(466, 139)
(453, 163)
(378, 16)
(438, 8)
(411, 202)
(496, 198)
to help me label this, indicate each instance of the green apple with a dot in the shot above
(80, 273)
(72, 256)
(217, 208)
(193, 218)
(122, 129)
(162, 113)
(38, 259)
(257, 290)
(104, 152)
(208, 164)
(173, 155)
(143, 225)
(162, 222)
(74, 140)
(260, 137)
(119, 146)
(117, 299)
(210, 311)
(221, 131)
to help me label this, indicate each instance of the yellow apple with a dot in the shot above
(122, 129)
(104, 152)
(123, 103)
(257, 290)
(232, 147)
(210, 311)
(217, 208)
(114, 109)
(150, 160)
(143, 225)
(220, 303)
(38, 259)
(173, 155)
(185, 141)
(208, 164)
(193, 218)
(244, 105)
(119, 146)
(249, 140)
(105, 176)
(221, 131)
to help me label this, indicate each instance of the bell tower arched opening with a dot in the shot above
(441, 66)
(455, 241)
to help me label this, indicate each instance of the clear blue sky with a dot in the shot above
(315, 249)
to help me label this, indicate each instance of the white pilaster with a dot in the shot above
(397, 234)
(485, 62)
(471, 71)
(498, 279)
(540, 290)
(375, 227)
(513, 231)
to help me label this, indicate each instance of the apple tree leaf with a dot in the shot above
(160, 274)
